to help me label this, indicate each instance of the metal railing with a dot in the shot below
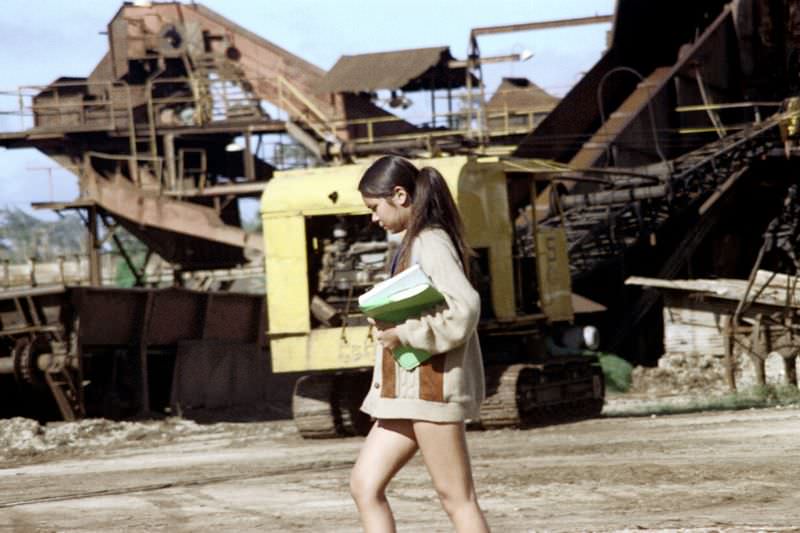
(65, 270)
(63, 105)
(505, 118)
(73, 270)
(206, 96)
(717, 126)
(311, 115)
(136, 165)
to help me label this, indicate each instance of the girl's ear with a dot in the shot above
(401, 197)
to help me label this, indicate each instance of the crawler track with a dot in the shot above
(546, 393)
(520, 395)
(327, 406)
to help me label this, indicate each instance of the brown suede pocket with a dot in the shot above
(388, 387)
(431, 379)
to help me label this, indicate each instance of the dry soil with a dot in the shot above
(722, 471)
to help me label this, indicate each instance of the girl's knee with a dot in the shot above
(363, 488)
(357, 485)
(455, 502)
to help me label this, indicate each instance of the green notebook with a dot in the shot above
(406, 295)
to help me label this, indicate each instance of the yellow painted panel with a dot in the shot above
(323, 349)
(483, 202)
(287, 275)
(288, 354)
(333, 190)
(555, 284)
(501, 263)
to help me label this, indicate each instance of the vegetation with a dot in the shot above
(752, 398)
(124, 276)
(617, 372)
(23, 236)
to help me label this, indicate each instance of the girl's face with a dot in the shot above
(392, 213)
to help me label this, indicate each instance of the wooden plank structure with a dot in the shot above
(733, 317)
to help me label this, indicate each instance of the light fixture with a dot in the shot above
(186, 116)
(399, 100)
(525, 55)
(233, 147)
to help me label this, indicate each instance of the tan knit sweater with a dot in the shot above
(448, 387)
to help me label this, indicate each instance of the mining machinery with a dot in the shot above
(682, 127)
(645, 167)
(186, 116)
(171, 131)
(322, 253)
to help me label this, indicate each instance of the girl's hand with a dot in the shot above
(388, 338)
(378, 324)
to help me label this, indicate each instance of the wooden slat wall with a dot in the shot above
(692, 326)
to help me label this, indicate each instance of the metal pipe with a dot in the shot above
(527, 26)
(249, 163)
(614, 197)
(95, 274)
(169, 155)
(649, 110)
(379, 147)
(455, 63)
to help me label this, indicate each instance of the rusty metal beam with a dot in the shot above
(239, 189)
(144, 330)
(95, 276)
(122, 199)
(232, 127)
(543, 25)
(484, 60)
(62, 206)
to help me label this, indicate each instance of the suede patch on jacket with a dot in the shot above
(431, 379)
(388, 387)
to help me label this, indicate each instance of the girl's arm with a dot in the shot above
(451, 327)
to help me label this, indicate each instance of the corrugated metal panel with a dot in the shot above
(520, 93)
(393, 70)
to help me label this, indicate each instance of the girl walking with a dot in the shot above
(424, 408)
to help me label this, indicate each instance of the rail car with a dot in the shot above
(73, 352)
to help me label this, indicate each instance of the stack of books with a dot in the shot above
(395, 300)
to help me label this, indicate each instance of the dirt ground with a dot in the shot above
(721, 471)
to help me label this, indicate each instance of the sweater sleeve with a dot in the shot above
(451, 326)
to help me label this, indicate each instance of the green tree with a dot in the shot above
(23, 236)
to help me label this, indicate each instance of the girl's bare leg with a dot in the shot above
(389, 445)
(444, 449)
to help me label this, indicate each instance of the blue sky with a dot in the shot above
(43, 39)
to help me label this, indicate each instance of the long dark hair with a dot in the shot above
(432, 205)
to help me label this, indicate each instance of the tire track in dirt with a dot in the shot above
(205, 480)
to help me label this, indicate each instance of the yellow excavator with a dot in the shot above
(322, 252)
